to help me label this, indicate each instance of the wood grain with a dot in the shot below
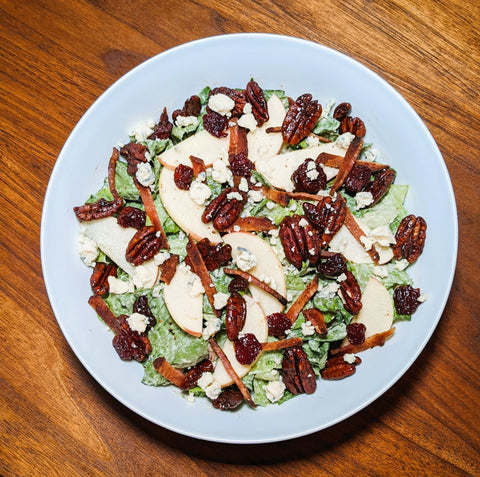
(56, 58)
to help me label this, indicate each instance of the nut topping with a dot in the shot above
(143, 245)
(301, 119)
(235, 315)
(99, 278)
(256, 98)
(380, 184)
(225, 208)
(297, 372)
(410, 238)
(351, 294)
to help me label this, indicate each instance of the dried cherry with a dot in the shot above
(247, 348)
(228, 400)
(183, 176)
(278, 324)
(405, 298)
(356, 333)
(131, 217)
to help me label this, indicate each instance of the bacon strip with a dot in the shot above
(349, 160)
(103, 311)
(174, 375)
(198, 165)
(231, 372)
(258, 283)
(358, 233)
(378, 339)
(168, 269)
(201, 270)
(282, 344)
(252, 224)
(315, 317)
(302, 300)
(278, 196)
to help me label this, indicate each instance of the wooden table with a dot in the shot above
(56, 58)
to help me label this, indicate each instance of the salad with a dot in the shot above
(250, 245)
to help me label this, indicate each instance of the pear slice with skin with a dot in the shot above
(185, 212)
(112, 240)
(255, 323)
(268, 265)
(183, 303)
(202, 144)
(261, 144)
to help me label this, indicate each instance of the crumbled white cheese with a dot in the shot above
(349, 358)
(184, 121)
(341, 278)
(308, 329)
(199, 192)
(142, 132)
(370, 154)
(367, 242)
(221, 104)
(194, 285)
(327, 108)
(382, 235)
(244, 259)
(312, 141)
(119, 287)
(270, 205)
(312, 174)
(344, 140)
(157, 290)
(255, 196)
(144, 276)
(88, 249)
(205, 380)
(237, 228)
(274, 390)
(137, 322)
(303, 222)
(161, 257)
(363, 199)
(211, 327)
(329, 290)
(145, 174)
(402, 264)
(248, 121)
(247, 108)
(220, 300)
(380, 271)
(243, 186)
(213, 391)
(234, 195)
(220, 172)
(423, 297)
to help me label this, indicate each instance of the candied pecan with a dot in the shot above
(225, 208)
(162, 129)
(236, 95)
(215, 123)
(135, 154)
(195, 372)
(351, 294)
(405, 298)
(183, 176)
(228, 400)
(380, 184)
(241, 165)
(358, 178)
(254, 95)
(356, 333)
(309, 177)
(332, 266)
(99, 278)
(247, 348)
(192, 107)
(354, 126)
(278, 324)
(297, 371)
(238, 284)
(341, 111)
(143, 245)
(131, 217)
(410, 238)
(235, 315)
(130, 344)
(327, 216)
(140, 305)
(300, 119)
(299, 240)
(340, 370)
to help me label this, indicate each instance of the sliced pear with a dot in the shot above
(255, 323)
(186, 213)
(377, 308)
(262, 145)
(112, 240)
(278, 169)
(183, 302)
(268, 265)
(202, 145)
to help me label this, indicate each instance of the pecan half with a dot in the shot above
(195, 372)
(254, 95)
(214, 255)
(99, 277)
(327, 216)
(410, 238)
(143, 245)
(300, 241)
(235, 315)
(225, 208)
(341, 111)
(338, 370)
(354, 126)
(380, 184)
(351, 294)
(301, 119)
(297, 372)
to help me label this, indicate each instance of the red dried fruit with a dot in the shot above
(356, 333)
(247, 348)
(195, 372)
(162, 129)
(278, 324)
(358, 178)
(215, 255)
(135, 154)
(228, 400)
(240, 165)
(238, 284)
(215, 123)
(332, 266)
(140, 305)
(183, 176)
(99, 277)
(405, 298)
(309, 177)
(131, 217)
(192, 107)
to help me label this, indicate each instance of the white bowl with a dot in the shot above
(297, 66)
